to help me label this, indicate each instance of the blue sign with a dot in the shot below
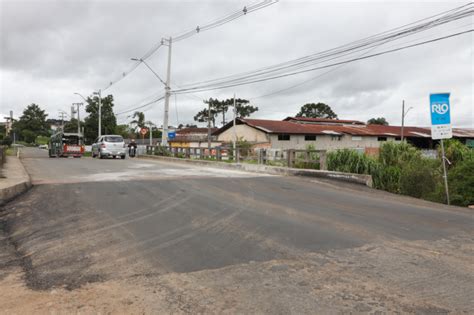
(440, 109)
(171, 134)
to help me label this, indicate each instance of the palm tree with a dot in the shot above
(139, 120)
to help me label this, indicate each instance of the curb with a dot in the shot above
(19, 184)
(360, 179)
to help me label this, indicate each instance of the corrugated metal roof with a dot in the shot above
(324, 120)
(288, 127)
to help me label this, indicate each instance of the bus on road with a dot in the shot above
(64, 144)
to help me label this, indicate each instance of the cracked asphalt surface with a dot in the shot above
(146, 236)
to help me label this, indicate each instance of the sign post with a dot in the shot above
(441, 127)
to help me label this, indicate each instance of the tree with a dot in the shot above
(205, 115)
(221, 107)
(123, 130)
(377, 121)
(91, 122)
(242, 109)
(31, 124)
(139, 120)
(71, 126)
(319, 110)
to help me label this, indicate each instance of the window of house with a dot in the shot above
(381, 138)
(336, 138)
(310, 138)
(398, 138)
(356, 138)
(283, 137)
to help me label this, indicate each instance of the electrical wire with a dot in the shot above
(198, 89)
(357, 46)
(275, 92)
(179, 37)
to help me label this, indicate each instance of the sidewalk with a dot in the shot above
(15, 180)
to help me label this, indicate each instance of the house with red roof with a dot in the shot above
(326, 134)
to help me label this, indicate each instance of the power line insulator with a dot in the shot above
(197, 29)
(245, 10)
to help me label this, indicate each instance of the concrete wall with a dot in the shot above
(245, 132)
(327, 142)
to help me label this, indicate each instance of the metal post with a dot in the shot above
(164, 137)
(403, 117)
(151, 133)
(445, 176)
(100, 113)
(78, 119)
(234, 140)
(209, 128)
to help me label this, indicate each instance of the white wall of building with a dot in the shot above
(327, 142)
(244, 132)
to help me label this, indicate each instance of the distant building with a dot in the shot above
(193, 138)
(327, 134)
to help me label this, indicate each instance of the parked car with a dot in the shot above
(109, 146)
(43, 146)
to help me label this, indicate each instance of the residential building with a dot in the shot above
(326, 134)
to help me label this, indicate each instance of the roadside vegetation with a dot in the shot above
(401, 168)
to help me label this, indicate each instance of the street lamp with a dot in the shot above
(404, 113)
(148, 66)
(164, 138)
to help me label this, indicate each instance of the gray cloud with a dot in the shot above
(51, 49)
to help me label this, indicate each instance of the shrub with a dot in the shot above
(350, 161)
(461, 182)
(421, 178)
(455, 151)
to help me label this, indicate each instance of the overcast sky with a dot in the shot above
(51, 49)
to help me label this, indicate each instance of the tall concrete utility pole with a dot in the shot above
(234, 140)
(62, 114)
(403, 117)
(78, 117)
(100, 113)
(164, 137)
(209, 128)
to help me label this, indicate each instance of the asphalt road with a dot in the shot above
(148, 217)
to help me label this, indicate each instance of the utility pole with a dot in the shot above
(164, 137)
(150, 131)
(209, 128)
(78, 117)
(62, 115)
(234, 142)
(404, 113)
(100, 113)
(403, 117)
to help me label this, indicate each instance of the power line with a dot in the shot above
(141, 106)
(347, 49)
(198, 89)
(199, 29)
(275, 92)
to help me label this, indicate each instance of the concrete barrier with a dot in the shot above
(274, 170)
(15, 180)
